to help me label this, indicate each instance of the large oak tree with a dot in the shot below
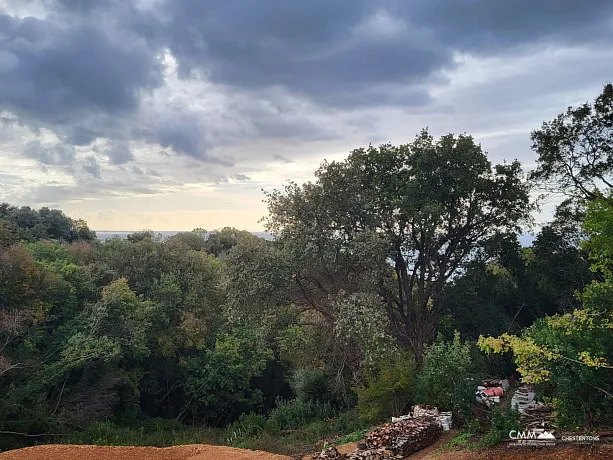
(575, 149)
(398, 221)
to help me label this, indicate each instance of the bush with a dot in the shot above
(247, 425)
(311, 385)
(254, 432)
(153, 432)
(106, 434)
(289, 415)
(352, 437)
(449, 377)
(349, 421)
(460, 441)
(501, 424)
(389, 391)
(556, 353)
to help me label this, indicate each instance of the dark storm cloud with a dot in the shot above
(118, 153)
(62, 73)
(81, 73)
(279, 118)
(81, 6)
(80, 135)
(340, 52)
(83, 70)
(316, 48)
(486, 26)
(184, 131)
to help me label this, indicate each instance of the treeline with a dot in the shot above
(385, 277)
(26, 224)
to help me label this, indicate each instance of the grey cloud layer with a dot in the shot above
(352, 52)
(90, 69)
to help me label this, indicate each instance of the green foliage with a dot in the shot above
(598, 225)
(248, 425)
(266, 340)
(152, 432)
(188, 241)
(575, 149)
(120, 330)
(574, 351)
(361, 320)
(220, 242)
(121, 317)
(221, 376)
(311, 385)
(352, 437)
(425, 206)
(138, 237)
(31, 225)
(303, 346)
(501, 423)
(462, 441)
(508, 287)
(449, 376)
(294, 413)
(389, 391)
(254, 431)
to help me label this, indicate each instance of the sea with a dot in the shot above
(525, 239)
(123, 234)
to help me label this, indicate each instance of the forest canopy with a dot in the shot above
(388, 270)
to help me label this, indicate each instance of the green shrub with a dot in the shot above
(153, 432)
(106, 434)
(281, 433)
(462, 440)
(353, 437)
(289, 415)
(311, 385)
(568, 380)
(500, 425)
(388, 391)
(449, 377)
(247, 425)
(473, 427)
(349, 421)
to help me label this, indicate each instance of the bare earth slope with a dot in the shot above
(204, 452)
(191, 452)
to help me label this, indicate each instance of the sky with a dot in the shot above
(176, 114)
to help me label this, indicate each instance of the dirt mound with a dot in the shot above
(191, 452)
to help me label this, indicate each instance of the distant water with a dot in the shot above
(526, 239)
(104, 234)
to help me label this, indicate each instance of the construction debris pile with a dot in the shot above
(533, 414)
(444, 419)
(523, 399)
(331, 453)
(393, 440)
(491, 390)
(402, 438)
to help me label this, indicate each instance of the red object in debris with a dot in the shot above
(494, 391)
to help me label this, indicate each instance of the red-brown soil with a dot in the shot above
(191, 452)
